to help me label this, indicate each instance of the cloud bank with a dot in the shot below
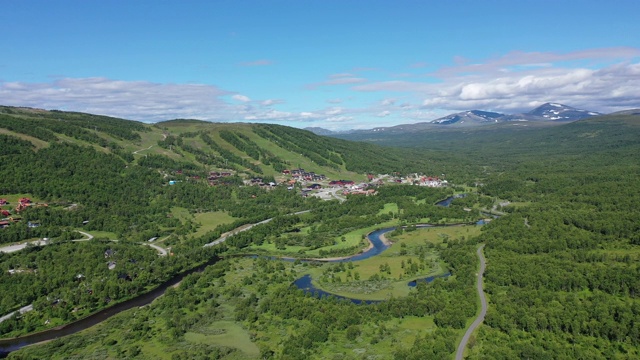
(603, 80)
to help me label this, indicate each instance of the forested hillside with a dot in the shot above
(563, 274)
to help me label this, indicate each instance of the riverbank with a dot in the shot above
(12, 344)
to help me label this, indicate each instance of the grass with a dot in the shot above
(412, 326)
(39, 144)
(180, 213)
(389, 207)
(211, 220)
(102, 234)
(208, 221)
(225, 333)
(436, 235)
(13, 198)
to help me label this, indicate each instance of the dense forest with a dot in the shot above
(562, 246)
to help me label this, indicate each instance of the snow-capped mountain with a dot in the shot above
(548, 112)
(559, 112)
(472, 117)
(545, 112)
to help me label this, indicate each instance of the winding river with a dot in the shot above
(13, 344)
(378, 246)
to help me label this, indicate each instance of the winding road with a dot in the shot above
(161, 251)
(483, 311)
(41, 242)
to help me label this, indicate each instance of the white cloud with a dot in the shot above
(513, 82)
(242, 98)
(136, 100)
(609, 89)
(602, 80)
(334, 111)
(528, 59)
(387, 102)
(271, 102)
(339, 119)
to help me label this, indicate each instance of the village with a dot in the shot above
(10, 215)
(312, 184)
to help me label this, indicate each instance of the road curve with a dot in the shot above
(483, 311)
(161, 251)
(41, 242)
(22, 310)
(243, 228)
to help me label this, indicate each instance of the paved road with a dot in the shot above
(483, 312)
(245, 228)
(22, 310)
(86, 234)
(161, 251)
(18, 247)
(233, 232)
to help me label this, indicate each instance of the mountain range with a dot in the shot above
(548, 112)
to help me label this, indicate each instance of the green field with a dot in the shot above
(210, 220)
(102, 234)
(225, 333)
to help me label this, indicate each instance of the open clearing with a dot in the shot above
(225, 333)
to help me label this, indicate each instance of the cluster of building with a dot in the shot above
(359, 189)
(260, 182)
(7, 219)
(301, 174)
(422, 180)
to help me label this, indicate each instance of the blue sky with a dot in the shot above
(334, 64)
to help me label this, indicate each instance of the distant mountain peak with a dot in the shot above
(319, 130)
(470, 117)
(547, 112)
(560, 112)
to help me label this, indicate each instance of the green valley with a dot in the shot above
(555, 207)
